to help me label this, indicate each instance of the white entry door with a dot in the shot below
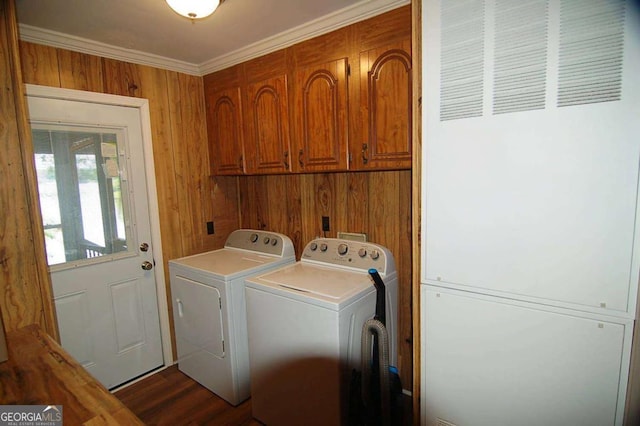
(90, 165)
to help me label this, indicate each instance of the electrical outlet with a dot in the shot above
(210, 229)
(325, 223)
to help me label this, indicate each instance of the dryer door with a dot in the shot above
(198, 318)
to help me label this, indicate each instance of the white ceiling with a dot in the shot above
(149, 32)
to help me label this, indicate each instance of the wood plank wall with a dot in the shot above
(25, 288)
(188, 197)
(375, 203)
(416, 55)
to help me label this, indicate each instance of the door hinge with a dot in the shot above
(220, 302)
(348, 70)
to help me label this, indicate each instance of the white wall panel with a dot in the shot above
(537, 204)
(494, 363)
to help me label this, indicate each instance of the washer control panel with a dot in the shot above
(352, 254)
(261, 241)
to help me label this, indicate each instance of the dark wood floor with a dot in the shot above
(171, 398)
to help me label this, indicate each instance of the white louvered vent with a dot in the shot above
(520, 55)
(591, 49)
(462, 59)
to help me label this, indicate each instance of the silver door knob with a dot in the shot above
(147, 265)
(144, 247)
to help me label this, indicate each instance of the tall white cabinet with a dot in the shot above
(530, 259)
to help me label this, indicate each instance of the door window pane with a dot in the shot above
(45, 169)
(84, 212)
(90, 206)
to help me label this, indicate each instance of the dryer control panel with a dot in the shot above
(348, 253)
(261, 241)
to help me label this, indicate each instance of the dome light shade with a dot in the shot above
(194, 9)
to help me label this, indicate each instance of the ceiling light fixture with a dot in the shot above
(194, 9)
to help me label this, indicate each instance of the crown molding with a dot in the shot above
(91, 47)
(360, 11)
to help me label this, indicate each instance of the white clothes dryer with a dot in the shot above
(209, 308)
(304, 323)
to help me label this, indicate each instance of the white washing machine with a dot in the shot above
(209, 308)
(304, 323)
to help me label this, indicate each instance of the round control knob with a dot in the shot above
(274, 242)
(254, 238)
(313, 246)
(266, 240)
(362, 252)
(323, 247)
(375, 255)
(343, 249)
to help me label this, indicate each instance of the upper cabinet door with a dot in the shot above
(385, 87)
(267, 138)
(225, 132)
(321, 117)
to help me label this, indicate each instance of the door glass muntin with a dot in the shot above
(84, 193)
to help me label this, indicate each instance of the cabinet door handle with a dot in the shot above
(300, 159)
(286, 160)
(365, 160)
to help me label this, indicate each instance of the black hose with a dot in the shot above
(375, 327)
(381, 293)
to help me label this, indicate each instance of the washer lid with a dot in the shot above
(227, 262)
(330, 284)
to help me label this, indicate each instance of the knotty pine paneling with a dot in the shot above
(48, 66)
(122, 78)
(357, 190)
(153, 86)
(39, 64)
(187, 196)
(80, 71)
(376, 203)
(25, 287)
(192, 163)
(416, 201)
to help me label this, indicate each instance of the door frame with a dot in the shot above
(152, 195)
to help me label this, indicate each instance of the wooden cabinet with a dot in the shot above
(301, 110)
(224, 125)
(385, 108)
(267, 139)
(320, 111)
